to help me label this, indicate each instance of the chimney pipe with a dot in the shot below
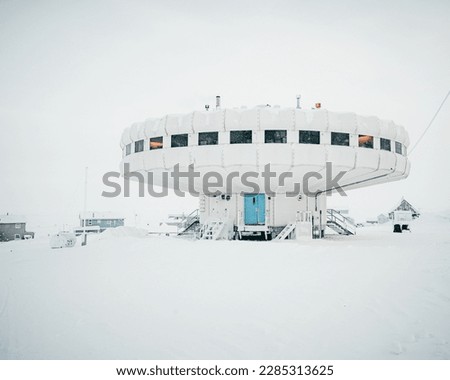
(207, 107)
(217, 101)
(298, 101)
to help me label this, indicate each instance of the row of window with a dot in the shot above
(270, 137)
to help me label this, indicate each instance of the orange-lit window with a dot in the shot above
(156, 143)
(365, 141)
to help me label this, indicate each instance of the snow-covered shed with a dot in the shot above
(404, 205)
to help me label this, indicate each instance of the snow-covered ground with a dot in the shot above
(377, 295)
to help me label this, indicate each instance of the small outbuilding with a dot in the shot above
(13, 227)
(404, 205)
(96, 222)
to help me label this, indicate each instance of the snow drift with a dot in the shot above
(377, 295)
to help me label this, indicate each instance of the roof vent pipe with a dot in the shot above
(298, 101)
(217, 101)
(207, 107)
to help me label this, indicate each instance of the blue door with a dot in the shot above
(254, 209)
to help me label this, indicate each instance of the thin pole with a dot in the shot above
(85, 189)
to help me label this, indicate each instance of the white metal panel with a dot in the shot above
(401, 134)
(151, 128)
(275, 154)
(286, 118)
(232, 120)
(268, 118)
(240, 155)
(137, 131)
(341, 157)
(186, 121)
(342, 122)
(367, 158)
(207, 155)
(368, 125)
(388, 129)
(155, 159)
(209, 121)
(174, 156)
(309, 155)
(316, 120)
(249, 119)
(387, 160)
(173, 124)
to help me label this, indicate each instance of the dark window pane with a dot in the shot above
(309, 137)
(138, 146)
(128, 149)
(240, 137)
(398, 147)
(338, 138)
(208, 138)
(385, 144)
(156, 143)
(179, 140)
(275, 136)
(365, 141)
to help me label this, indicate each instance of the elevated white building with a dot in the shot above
(238, 144)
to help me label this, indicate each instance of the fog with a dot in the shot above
(74, 74)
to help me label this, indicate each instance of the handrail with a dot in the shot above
(344, 221)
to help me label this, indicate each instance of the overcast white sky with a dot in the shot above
(73, 74)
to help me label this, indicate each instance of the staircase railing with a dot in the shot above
(188, 221)
(343, 222)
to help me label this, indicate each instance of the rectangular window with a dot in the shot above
(156, 143)
(179, 140)
(127, 149)
(240, 137)
(398, 147)
(365, 141)
(275, 136)
(208, 138)
(339, 138)
(385, 144)
(138, 146)
(309, 137)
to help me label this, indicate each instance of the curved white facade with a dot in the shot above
(363, 166)
(294, 141)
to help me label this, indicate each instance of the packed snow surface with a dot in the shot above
(377, 295)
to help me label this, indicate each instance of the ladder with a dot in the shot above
(212, 230)
(285, 232)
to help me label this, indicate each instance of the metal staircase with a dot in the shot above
(285, 232)
(339, 223)
(186, 224)
(212, 230)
